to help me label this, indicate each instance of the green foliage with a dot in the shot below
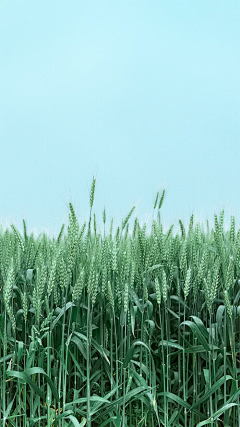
(133, 330)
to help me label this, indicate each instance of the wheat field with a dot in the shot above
(120, 328)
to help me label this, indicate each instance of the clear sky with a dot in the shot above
(143, 94)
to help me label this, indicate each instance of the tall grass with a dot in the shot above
(131, 329)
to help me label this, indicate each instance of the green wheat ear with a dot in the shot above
(227, 303)
(158, 291)
(104, 216)
(25, 230)
(161, 199)
(187, 284)
(156, 200)
(110, 295)
(126, 297)
(128, 217)
(78, 287)
(7, 294)
(92, 192)
(164, 286)
(18, 237)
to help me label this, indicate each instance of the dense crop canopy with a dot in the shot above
(131, 329)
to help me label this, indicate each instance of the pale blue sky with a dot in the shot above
(144, 94)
